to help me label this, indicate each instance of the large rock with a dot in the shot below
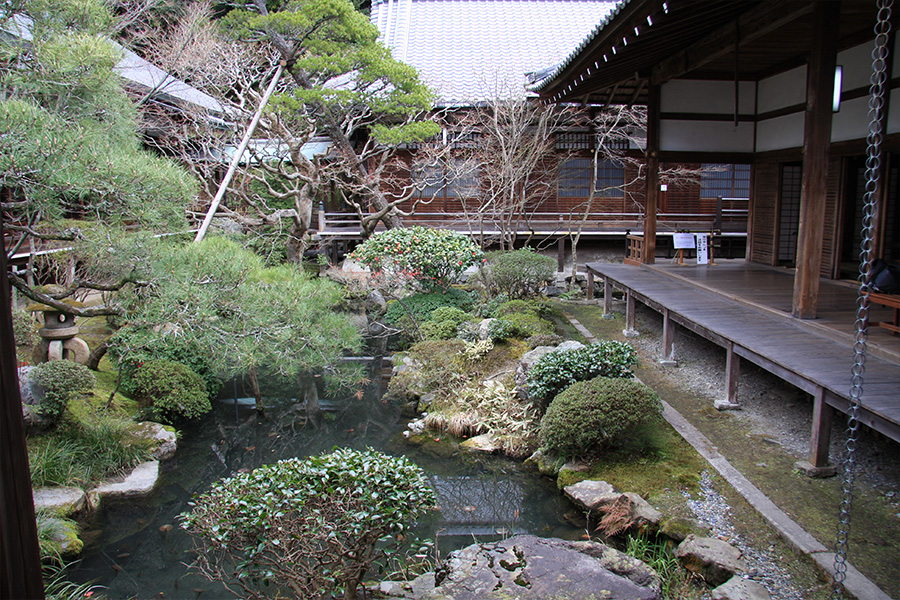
(714, 560)
(738, 588)
(527, 567)
(159, 437)
(63, 537)
(598, 496)
(140, 482)
(485, 442)
(547, 464)
(59, 501)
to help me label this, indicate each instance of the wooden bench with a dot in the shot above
(892, 301)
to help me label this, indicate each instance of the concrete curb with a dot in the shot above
(856, 584)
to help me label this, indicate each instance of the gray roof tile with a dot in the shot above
(464, 48)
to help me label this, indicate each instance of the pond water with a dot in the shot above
(137, 549)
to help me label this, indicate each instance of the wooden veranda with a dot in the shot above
(746, 309)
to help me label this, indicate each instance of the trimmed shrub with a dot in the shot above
(130, 348)
(308, 528)
(518, 307)
(588, 415)
(60, 381)
(555, 371)
(444, 323)
(544, 340)
(525, 325)
(171, 390)
(421, 306)
(518, 274)
(433, 257)
(24, 328)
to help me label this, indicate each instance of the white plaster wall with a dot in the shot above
(714, 97)
(851, 122)
(893, 124)
(779, 133)
(857, 63)
(705, 136)
(784, 89)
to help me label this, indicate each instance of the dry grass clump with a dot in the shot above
(490, 407)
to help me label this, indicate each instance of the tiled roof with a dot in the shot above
(463, 48)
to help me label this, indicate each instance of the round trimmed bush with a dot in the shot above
(586, 416)
(518, 274)
(525, 325)
(59, 381)
(444, 323)
(171, 390)
(555, 371)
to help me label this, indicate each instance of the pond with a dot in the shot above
(137, 549)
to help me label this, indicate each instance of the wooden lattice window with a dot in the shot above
(575, 178)
(725, 180)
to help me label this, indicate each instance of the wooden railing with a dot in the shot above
(634, 249)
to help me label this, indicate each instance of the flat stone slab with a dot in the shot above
(527, 567)
(714, 560)
(738, 588)
(482, 443)
(59, 501)
(597, 496)
(140, 482)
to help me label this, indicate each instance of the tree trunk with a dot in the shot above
(99, 352)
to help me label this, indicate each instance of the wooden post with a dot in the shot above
(607, 299)
(590, 284)
(820, 439)
(651, 202)
(668, 357)
(816, 145)
(732, 378)
(629, 330)
(561, 255)
(20, 557)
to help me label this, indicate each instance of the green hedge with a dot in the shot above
(555, 371)
(588, 415)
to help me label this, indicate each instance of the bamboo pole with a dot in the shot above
(220, 193)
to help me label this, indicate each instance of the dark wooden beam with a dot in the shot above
(651, 201)
(816, 141)
(20, 557)
(753, 24)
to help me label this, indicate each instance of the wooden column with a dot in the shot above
(816, 144)
(821, 430)
(607, 299)
(561, 255)
(732, 378)
(651, 201)
(629, 330)
(20, 557)
(589, 294)
(668, 357)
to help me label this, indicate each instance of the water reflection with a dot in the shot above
(138, 549)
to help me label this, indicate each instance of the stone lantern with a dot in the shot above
(59, 337)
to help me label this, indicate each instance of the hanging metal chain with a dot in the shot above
(873, 174)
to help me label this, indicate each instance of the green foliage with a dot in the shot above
(444, 323)
(23, 328)
(57, 587)
(517, 307)
(433, 257)
(657, 554)
(524, 325)
(500, 329)
(59, 381)
(131, 347)
(586, 416)
(221, 300)
(72, 144)
(83, 453)
(171, 389)
(517, 274)
(315, 526)
(420, 306)
(329, 40)
(544, 340)
(555, 371)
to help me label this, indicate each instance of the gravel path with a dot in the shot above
(712, 510)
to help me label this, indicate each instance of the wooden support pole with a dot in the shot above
(668, 357)
(816, 146)
(607, 299)
(561, 255)
(20, 557)
(823, 415)
(629, 330)
(589, 294)
(651, 202)
(732, 378)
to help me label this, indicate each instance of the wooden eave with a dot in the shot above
(697, 39)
